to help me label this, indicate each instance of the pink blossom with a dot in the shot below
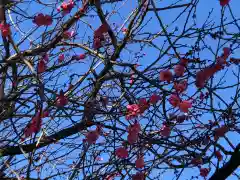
(180, 87)
(139, 162)
(165, 76)
(179, 70)
(5, 29)
(174, 100)
(122, 153)
(61, 58)
(61, 99)
(154, 99)
(165, 131)
(133, 110)
(184, 106)
(41, 67)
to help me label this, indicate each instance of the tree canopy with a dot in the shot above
(119, 89)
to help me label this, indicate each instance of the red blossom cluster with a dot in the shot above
(41, 67)
(138, 176)
(79, 57)
(175, 101)
(133, 132)
(224, 2)
(99, 36)
(5, 29)
(165, 130)
(121, 152)
(66, 7)
(204, 172)
(134, 110)
(62, 100)
(61, 58)
(139, 162)
(179, 69)
(42, 20)
(34, 126)
(93, 136)
(203, 75)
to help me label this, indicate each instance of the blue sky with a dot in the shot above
(167, 16)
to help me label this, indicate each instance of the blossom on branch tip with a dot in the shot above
(41, 67)
(138, 176)
(220, 132)
(184, 62)
(68, 34)
(174, 100)
(93, 136)
(66, 7)
(204, 172)
(61, 99)
(184, 106)
(154, 99)
(133, 111)
(79, 57)
(165, 131)
(143, 104)
(5, 29)
(61, 58)
(139, 162)
(224, 2)
(42, 20)
(34, 126)
(133, 132)
(166, 75)
(121, 153)
(179, 70)
(180, 87)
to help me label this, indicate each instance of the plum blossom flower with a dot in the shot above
(220, 132)
(41, 67)
(174, 100)
(34, 126)
(42, 20)
(66, 7)
(179, 70)
(138, 176)
(184, 106)
(166, 75)
(154, 99)
(61, 58)
(165, 131)
(61, 99)
(180, 87)
(204, 172)
(68, 35)
(121, 152)
(224, 2)
(139, 162)
(143, 104)
(133, 111)
(5, 29)
(81, 56)
(203, 75)
(133, 132)
(184, 62)
(93, 136)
